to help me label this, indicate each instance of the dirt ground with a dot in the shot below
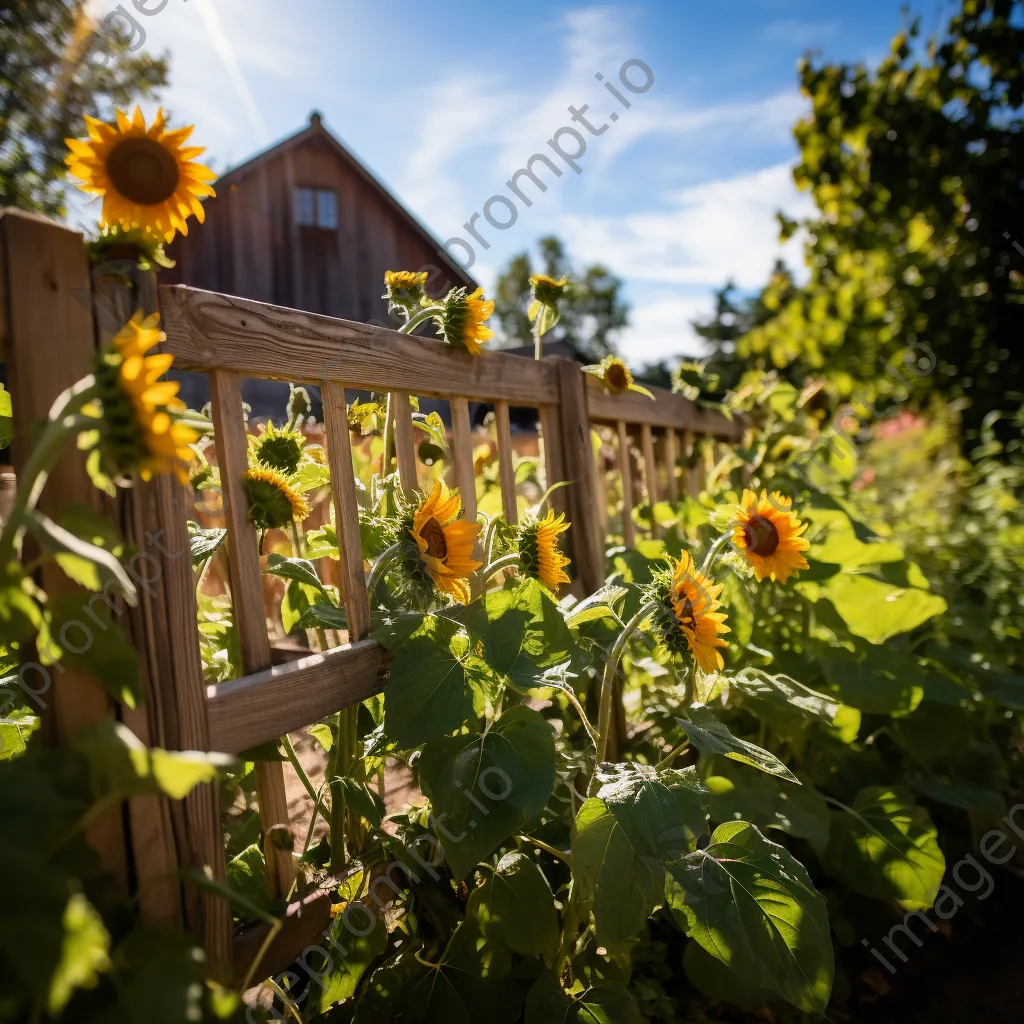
(973, 975)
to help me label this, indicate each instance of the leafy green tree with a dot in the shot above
(56, 65)
(915, 169)
(592, 313)
(736, 316)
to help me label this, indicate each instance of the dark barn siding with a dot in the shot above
(251, 246)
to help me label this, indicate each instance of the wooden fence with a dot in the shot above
(50, 326)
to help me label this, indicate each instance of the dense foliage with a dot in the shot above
(914, 169)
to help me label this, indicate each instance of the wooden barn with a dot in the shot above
(304, 224)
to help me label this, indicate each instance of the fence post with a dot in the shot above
(578, 452)
(46, 329)
(587, 534)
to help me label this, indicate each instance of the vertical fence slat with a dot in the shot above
(671, 465)
(650, 465)
(506, 463)
(689, 472)
(601, 487)
(49, 344)
(182, 695)
(462, 451)
(346, 510)
(554, 457)
(587, 536)
(247, 601)
(626, 473)
(405, 443)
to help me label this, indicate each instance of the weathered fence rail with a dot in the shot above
(49, 333)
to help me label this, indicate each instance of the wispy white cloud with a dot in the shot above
(660, 328)
(799, 32)
(699, 235)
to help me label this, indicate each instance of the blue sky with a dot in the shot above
(445, 101)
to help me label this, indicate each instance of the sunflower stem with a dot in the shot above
(379, 568)
(546, 847)
(611, 668)
(490, 537)
(65, 422)
(413, 322)
(389, 429)
(505, 562)
(715, 553)
(293, 758)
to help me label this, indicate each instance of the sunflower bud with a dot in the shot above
(280, 449)
(299, 405)
(543, 310)
(404, 289)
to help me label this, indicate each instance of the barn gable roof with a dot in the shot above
(316, 130)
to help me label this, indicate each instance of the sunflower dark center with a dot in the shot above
(616, 378)
(433, 533)
(143, 171)
(761, 536)
(685, 614)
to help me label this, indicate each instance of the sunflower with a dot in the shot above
(445, 542)
(615, 375)
(147, 176)
(690, 620)
(483, 456)
(140, 429)
(273, 501)
(278, 448)
(547, 289)
(404, 280)
(769, 535)
(461, 319)
(538, 549)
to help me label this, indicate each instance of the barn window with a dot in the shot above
(326, 209)
(305, 208)
(316, 207)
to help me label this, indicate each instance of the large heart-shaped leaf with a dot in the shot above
(767, 802)
(787, 704)
(484, 787)
(121, 765)
(548, 1003)
(622, 839)
(751, 904)
(298, 569)
(523, 631)
(515, 906)
(427, 693)
(721, 984)
(463, 988)
(885, 846)
(877, 680)
(363, 938)
(877, 611)
(710, 736)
